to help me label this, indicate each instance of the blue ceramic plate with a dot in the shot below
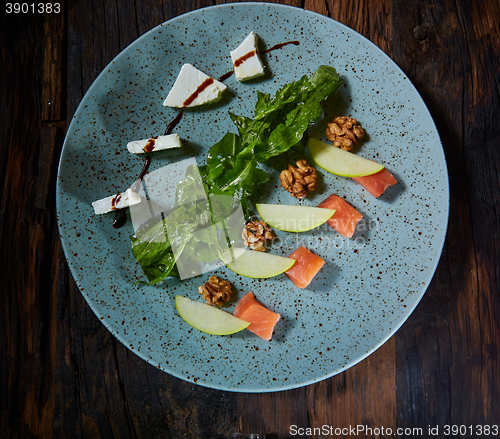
(369, 285)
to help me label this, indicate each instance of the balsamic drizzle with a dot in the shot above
(120, 215)
(279, 46)
(226, 75)
(137, 185)
(116, 199)
(243, 58)
(173, 124)
(150, 145)
(120, 218)
(207, 82)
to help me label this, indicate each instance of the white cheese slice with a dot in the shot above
(115, 202)
(246, 60)
(154, 144)
(192, 88)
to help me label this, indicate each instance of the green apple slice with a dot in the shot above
(207, 318)
(293, 218)
(340, 162)
(259, 265)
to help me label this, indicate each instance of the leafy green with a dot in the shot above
(151, 248)
(278, 126)
(234, 168)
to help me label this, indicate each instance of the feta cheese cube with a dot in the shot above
(115, 202)
(154, 144)
(246, 60)
(192, 88)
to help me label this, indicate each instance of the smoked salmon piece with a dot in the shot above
(262, 321)
(306, 267)
(345, 218)
(376, 183)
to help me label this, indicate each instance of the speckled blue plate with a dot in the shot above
(369, 284)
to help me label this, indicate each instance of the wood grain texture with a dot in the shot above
(27, 237)
(53, 74)
(362, 395)
(346, 399)
(455, 317)
(64, 375)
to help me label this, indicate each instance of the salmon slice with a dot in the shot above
(262, 321)
(345, 218)
(376, 183)
(306, 267)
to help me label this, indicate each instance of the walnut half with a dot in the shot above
(300, 180)
(344, 132)
(256, 234)
(216, 291)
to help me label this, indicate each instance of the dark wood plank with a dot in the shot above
(362, 395)
(102, 388)
(319, 6)
(27, 235)
(447, 367)
(53, 68)
(369, 384)
(482, 158)
(105, 390)
(371, 19)
(274, 413)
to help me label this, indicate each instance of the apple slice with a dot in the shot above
(208, 319)
(340, 162)
(293, 218)
(259, 265)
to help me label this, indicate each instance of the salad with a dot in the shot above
(236, 167)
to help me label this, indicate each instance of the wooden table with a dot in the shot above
(64, 375)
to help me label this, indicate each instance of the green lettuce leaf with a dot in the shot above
(275, 134)
(151, 248)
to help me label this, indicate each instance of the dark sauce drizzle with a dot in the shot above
(137, 185)
(225, 76)
(150, 146)
(207, 82)
(279, 46)
(252, 53)
(120, 218)
(116, 199)
(243, 58)
(120, 215)
(173, 124)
